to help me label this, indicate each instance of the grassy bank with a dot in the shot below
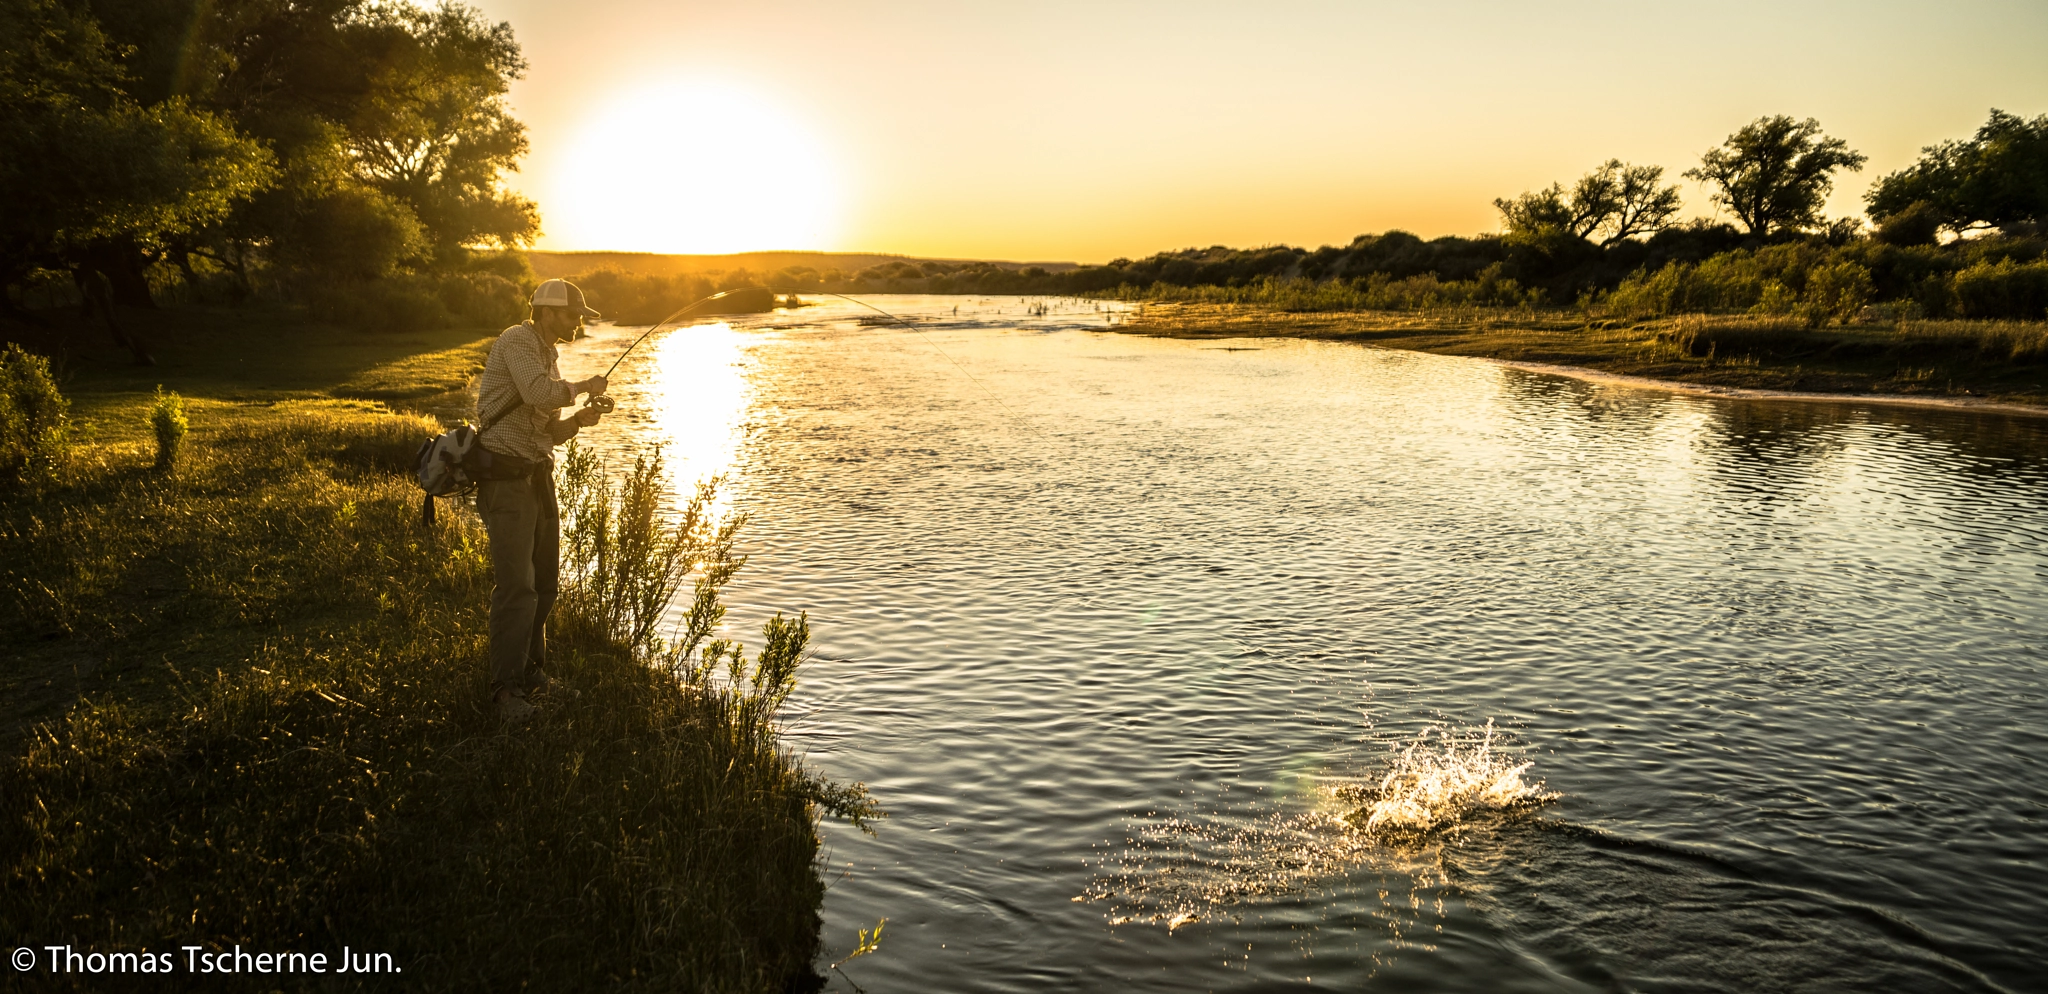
(2006, 361)
(247, 706)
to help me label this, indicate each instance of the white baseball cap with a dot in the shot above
(562, 293)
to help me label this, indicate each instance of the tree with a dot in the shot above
(1997, 178)
(94, 180)
(1917, 224)
(436, 131)
(388, 120)
(356, 232)
(1775, 173)
(1544, 210)
(1615, 201)
(1639, 205)
(281, 71)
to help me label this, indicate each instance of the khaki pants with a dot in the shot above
(524, 526)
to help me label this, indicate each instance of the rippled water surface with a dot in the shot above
(1104, 621)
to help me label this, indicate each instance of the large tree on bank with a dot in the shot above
(386, 122)
(93, 179)
(1774, 174)
(1997, 178)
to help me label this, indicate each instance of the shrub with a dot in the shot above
(167, 420)
(354, 232)
(415, 302)
(398, 304)
(1792, 278)
(1377, 292)
(1740, 280)
(1836, 292)
(1775, 298)
(33, 436)
(1918, 224)
(511, 265)
(482, 298)
(624, 562)
(628, 298)
(1650, 294)
(1897, 272)
(2001, 289)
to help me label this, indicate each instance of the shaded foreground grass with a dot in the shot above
(249, 709)
(1994, 360)
(252, 353)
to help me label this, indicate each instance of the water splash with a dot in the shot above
(1395, 822)
(1427, 787)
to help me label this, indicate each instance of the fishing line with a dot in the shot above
(608, 404)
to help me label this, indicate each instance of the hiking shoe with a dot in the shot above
(513, 708)
(545, 685)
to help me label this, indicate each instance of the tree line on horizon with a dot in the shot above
(1957, 234)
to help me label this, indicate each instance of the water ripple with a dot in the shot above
(1784, 660)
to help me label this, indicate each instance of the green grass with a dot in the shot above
(417, 377)
(247, 705)
(2004, 361)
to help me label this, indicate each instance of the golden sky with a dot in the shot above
(1051, 130)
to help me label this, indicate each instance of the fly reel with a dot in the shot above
(601, 404)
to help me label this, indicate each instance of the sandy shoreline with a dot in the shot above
(1750, 393)
(1223, 331)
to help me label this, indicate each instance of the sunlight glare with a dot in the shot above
(701, 396)
(694, 167)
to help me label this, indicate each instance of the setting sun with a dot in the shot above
(693, 167)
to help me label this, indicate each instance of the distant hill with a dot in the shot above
(548, 265)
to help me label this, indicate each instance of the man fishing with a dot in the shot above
(517, 400)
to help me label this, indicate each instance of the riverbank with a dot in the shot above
(2002, 364)
(246, 707)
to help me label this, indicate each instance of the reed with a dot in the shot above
(2008, 341)
(1375, 292)
(1717, 335)
(286, 745)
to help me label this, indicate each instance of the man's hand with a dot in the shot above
(587, 417)
(593, 386)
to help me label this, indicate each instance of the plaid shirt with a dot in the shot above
(523, 366)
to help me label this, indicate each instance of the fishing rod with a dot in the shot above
(605, 405)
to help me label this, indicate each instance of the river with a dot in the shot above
(1105, 622)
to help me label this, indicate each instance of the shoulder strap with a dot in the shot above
(503, 413)
(518, 401)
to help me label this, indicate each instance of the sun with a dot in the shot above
(693, 167)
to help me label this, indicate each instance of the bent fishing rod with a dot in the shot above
(605, 405)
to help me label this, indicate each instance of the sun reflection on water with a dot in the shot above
(698, 397)
(687, 390)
